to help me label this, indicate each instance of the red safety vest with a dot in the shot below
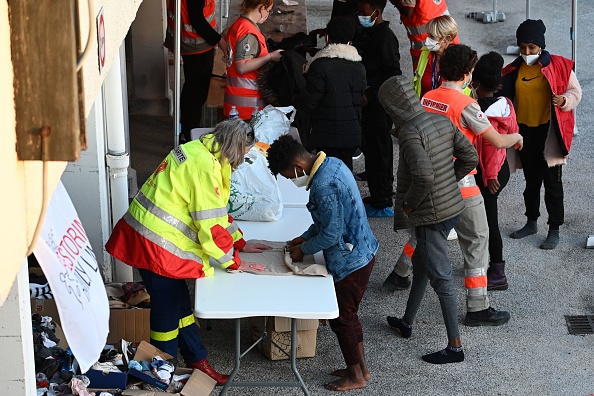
(242, 90)
(190, 41)
(416, 25)
(451, 103)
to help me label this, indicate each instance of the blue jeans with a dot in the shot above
(432, 264)
(172, 317)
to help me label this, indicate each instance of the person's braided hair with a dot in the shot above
(283, 152)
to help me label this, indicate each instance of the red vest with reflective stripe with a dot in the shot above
(416, 25)
(450, 102)
(241, 90)
(191, 41)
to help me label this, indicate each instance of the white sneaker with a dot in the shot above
(453, 235)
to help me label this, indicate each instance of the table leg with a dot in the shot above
(237, 356)
(294, 356)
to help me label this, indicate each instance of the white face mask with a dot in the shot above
(530, 59)
(300, 181)
(432, 45)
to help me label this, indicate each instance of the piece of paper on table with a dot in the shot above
(290, 2)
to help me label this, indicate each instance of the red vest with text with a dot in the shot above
(450, 102)
(242, 90)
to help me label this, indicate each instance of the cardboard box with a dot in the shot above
(216, 91)
(198, 383)
(129, 324)
(45, 308)
(278, 329)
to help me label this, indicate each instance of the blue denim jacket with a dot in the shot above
(340, 227)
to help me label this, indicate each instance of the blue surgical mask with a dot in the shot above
(366, 21)
(466, 84)
(300, 181)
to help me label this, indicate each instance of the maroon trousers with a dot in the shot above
(347, 327)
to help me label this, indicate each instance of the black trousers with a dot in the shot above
(197, 71)
(344, 154)
(379, 155)
(495, 241)
(537, 173)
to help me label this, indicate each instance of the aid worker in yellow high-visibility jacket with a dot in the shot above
(175, 224)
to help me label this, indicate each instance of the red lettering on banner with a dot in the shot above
(70, 246)
(438, 106)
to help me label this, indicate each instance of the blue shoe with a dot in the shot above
(373, 212)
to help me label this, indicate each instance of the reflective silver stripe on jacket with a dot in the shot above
(166, 217)
(209, 213)
(226, 257)
(244, 101)
(159, 240)
(232, 228)
(467, 181)
(187, 27)
(240, 82)
(188, 40)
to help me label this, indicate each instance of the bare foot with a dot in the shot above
(345, 372)
(345, 384)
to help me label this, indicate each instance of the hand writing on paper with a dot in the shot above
(296, 241)
(255, 247)
(296, 253)
(251, 266)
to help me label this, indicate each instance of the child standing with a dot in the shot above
(335, 86)
(378, 47)
(340, 229)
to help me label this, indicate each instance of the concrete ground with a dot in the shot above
(533, 353)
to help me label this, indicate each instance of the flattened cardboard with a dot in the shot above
(306, 338)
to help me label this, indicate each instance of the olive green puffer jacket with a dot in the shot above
(427, 176)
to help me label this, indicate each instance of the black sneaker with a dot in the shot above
(486, 317)
(396, 282)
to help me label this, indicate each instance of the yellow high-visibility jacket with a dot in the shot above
(179, 219)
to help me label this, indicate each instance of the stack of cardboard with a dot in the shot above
(279, 330)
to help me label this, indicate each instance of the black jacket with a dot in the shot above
(378, 46)
(335, 85)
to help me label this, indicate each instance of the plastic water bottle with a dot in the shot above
(233, 113)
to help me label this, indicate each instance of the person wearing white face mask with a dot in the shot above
(457, 64)
(442, 32)
(545, 91)
(341, 231)
(246, 53)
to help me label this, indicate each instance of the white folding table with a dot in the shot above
(242, 295)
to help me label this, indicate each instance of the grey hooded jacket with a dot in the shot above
(427, 176)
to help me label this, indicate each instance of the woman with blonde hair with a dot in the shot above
(442, 32)
(247, 53)
(176, 223)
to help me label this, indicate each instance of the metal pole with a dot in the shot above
(573, 32)
(176, 73)
(527, 9)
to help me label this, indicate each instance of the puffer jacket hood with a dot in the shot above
(400, 101)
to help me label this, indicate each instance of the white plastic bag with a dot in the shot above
(272, 122)
(254, 191)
